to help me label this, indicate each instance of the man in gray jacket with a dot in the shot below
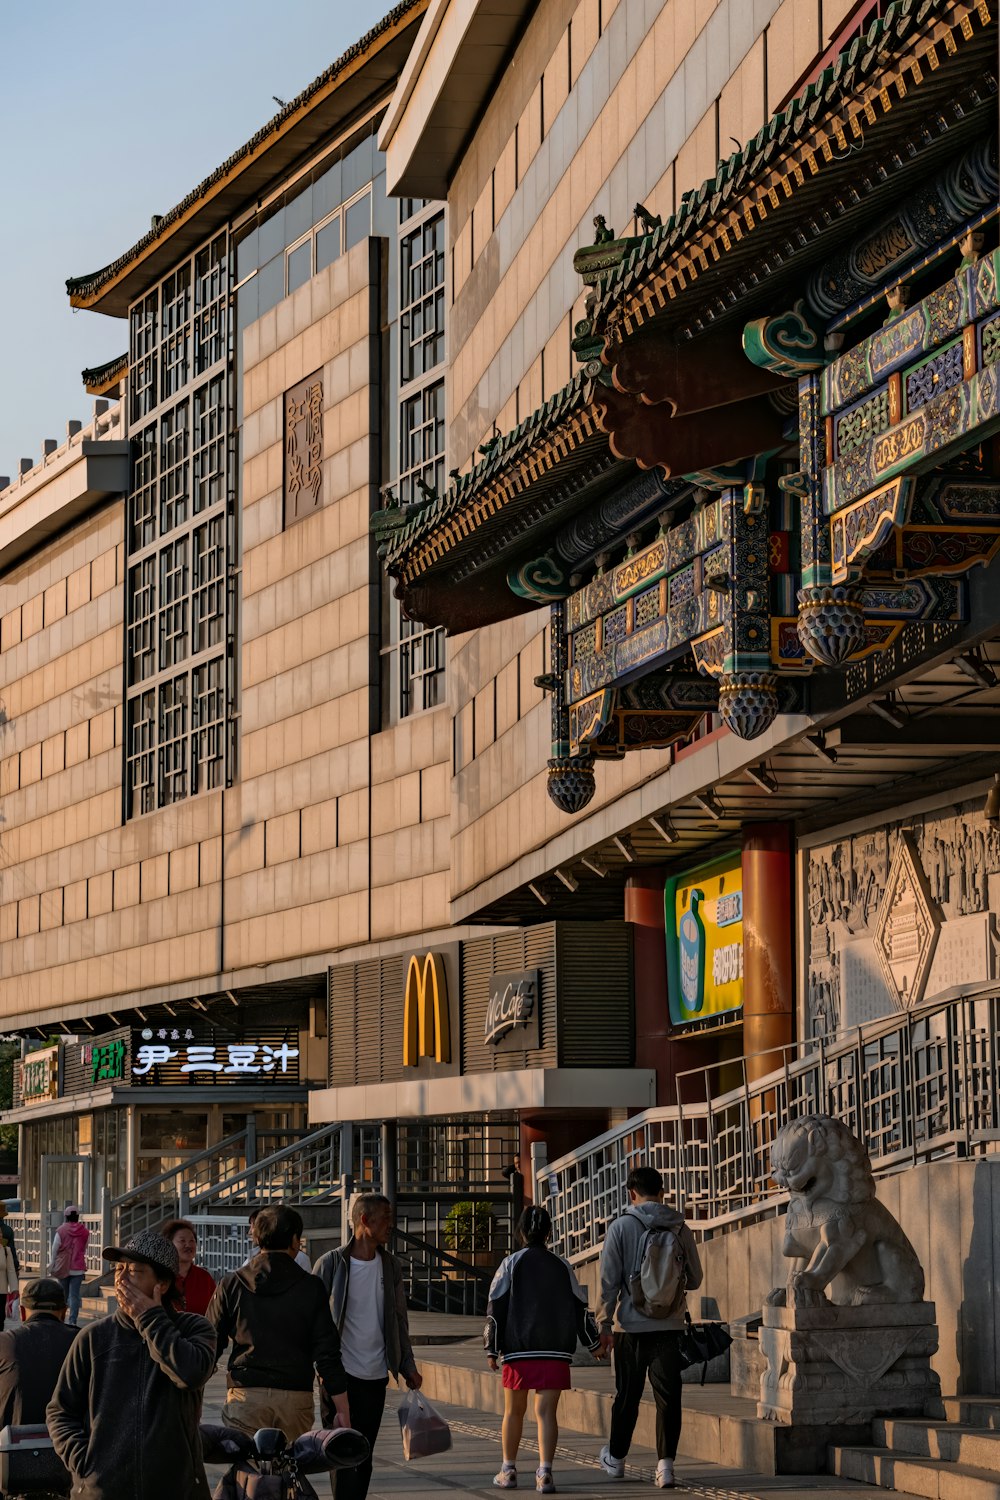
(368, 1302)
(643, 1345)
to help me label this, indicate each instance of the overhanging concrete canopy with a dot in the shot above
(480, 1093)
(460, 51)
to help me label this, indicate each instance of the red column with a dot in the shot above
(768, 964)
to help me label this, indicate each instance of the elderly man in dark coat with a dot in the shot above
(32, 1354)
(124, 1416)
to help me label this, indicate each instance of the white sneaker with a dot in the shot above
(665, 1474)
(613, 1466)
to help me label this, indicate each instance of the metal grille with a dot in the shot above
(915, 1087)
(181, 543)
(521, 948)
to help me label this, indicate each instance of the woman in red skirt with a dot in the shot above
(537, 1312)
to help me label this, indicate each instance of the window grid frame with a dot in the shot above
(180, 513)
(414, 658)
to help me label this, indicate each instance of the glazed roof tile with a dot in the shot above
(905, 23)
(100, 378)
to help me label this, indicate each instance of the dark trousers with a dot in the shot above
(366, 1399)
(637, 1355)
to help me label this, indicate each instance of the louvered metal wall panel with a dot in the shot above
(393, 1005)
(596, 1013)
(342, 1025)
(521, 948)
(368, 1040)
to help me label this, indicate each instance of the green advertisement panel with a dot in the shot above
(704, 929)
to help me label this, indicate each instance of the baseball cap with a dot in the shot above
(149, 1248)
(44, 1294)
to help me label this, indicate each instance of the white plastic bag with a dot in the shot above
(424, 1430)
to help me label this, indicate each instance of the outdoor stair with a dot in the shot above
(953, 1456)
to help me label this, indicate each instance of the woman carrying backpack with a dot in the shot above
(537, 1311)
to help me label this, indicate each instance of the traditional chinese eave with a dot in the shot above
(361, 78)
(893, 109)
(451, 556)
(103, 380)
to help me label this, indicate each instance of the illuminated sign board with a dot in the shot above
(704, 930)
(40, 1075)
(177, 1054)
(426, 1018)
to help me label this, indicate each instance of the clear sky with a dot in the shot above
(108, 116)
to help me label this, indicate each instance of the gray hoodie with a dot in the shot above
(619, 1262)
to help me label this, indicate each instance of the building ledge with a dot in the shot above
(480, 1093)
(460, 51)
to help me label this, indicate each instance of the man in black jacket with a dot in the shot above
(278, 1318)
(124, 1415)
(32, 1354)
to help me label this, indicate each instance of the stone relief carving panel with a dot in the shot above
(955, 859)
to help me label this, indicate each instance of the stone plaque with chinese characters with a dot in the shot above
(168, 1055)
(303, 448)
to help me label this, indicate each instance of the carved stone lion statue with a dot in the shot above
(838, 1236)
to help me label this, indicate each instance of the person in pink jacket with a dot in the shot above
(69, 1259)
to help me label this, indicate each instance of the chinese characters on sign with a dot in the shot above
(704, 931)
(40, 1075)
(229, 1059)
(105, 1061)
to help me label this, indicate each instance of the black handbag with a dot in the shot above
(702, 1342)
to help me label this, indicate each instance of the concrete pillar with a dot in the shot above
(768, 965)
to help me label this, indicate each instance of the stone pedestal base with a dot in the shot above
(847, 1364)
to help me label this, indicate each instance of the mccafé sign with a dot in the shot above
(426, 1017)
(512, 1006)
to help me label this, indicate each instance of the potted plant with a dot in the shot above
(467, 1234)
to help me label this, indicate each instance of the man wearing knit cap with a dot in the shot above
(32, 1354)
(124, 1416)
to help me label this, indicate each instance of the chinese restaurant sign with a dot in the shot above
(704, 930)
(170, 1054)
(40, 1075)
(104, 1062)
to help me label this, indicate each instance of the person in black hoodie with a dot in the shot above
(278, 1318)
(32, 1354)
(124, 1414)
(537, 1311)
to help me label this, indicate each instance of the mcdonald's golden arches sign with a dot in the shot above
(426, 1016)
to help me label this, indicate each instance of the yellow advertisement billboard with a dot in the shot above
(704, 929)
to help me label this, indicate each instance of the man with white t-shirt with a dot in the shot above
(368, 1303)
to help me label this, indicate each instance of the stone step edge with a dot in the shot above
(917, 1475)
(894, 1433)
(718, 1438)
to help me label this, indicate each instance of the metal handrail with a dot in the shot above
(143, 1189)
(250, 1176)
(913, 1087)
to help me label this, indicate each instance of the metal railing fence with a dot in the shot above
(912, 1087)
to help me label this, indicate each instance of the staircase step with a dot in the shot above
(933, 1478)
(941, 1440)
(971, 1411)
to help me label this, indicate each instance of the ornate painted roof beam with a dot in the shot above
(687, 377)
(682, 445)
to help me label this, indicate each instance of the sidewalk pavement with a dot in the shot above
(474, 1458)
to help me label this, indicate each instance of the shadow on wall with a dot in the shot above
(950, 1211)
(977, 1331)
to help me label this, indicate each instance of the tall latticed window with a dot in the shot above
(180, 624)
(414, 658)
